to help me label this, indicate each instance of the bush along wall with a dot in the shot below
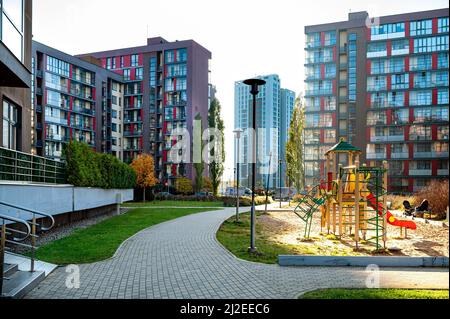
(86, 168)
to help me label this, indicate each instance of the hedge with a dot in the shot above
(86, 168)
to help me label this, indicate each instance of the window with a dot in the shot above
(114, 114)
(442, 133)
(421, 27)
(134, 60)
(397, 65)
(122, 62)
(114, 127)
(400, 81)
(443, 60)
(379, 66)
(421, 62)
(432, 44)
(114, 66)
(443, 25)
(423, 165)
(422, 80)
(441, 78)
(139, 73)
(400, 45)
(330, 38)
(442, 96)
(377, 47)
(182, 55)
(11, 123)
(11, 28)
(420, 97)
(388, 29)
(57, 66)
(420, 133)
(126, 75)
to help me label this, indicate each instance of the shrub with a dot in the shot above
(245, 201)
(85, 168)
(184, 186)
(437, 195)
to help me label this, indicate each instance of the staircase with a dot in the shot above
(19, 275)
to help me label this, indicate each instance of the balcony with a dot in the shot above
(132, 133)
(38, 108)
(376, 156)
(403, 155)
(132, 120)
(39, 74)
(442, 172)
(423, 154)
(343, 50)
(420, 172)
(343, 82)
(312, 45)
(39, 91)
(343, 66)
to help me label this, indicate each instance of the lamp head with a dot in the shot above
(254, 84)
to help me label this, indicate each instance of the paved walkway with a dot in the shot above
(182, 259)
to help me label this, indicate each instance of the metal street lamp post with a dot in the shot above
(238, 133)
(254, 84)
(279, 182)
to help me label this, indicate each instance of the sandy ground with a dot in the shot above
(286, 228)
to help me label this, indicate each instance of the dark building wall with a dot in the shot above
(20, 96)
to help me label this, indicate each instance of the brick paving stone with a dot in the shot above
(182, 259)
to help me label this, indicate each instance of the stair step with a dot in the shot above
(10, 269)
(21, 283)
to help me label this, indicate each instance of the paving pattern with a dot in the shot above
(182, 259)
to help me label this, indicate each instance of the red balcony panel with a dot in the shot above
(407, 32)
(132, 101)
(322, 39)
(141, 59)
(435, 25)
(434, 59)
(406, 132)
(174, 170)
(434, 132)
(389, 82)
(369, 67)
(411, 150)
(68, 118)
(369, 34)
(435, 97)
(411, 115)
(388, 151)
(407, 61)
(103, 62)
(165, 156)
(411, 184)
(322, 71)
(94, 93)
(369, 99)
(389, 47)
(175, 56)
(131, 129)
(389, 117)
(411, 46)
(71, 133)
(127, 61)
(322, 136)
(175, 84)
(165, 128)
(334, 54)
(322, 168)
(174, 112)
(141, 143)
(406, 167)
(407, 98)
(434, 167)
(411, 81)
(71, 103)
(133, 74)
(322, 103)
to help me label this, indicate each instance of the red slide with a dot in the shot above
(390, 218)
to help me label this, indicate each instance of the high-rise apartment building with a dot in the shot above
(273, 114)
(381, 84)
(15, 74)
(166, 87)
(74, 100)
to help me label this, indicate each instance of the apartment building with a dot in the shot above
(73, 99)
(381, 84)
(273, 115)
(15, 74)
(166, 85)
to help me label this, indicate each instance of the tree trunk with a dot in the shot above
(143, 199)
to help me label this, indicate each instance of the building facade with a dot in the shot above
(74, 100)
(382, 85)
(15, 74)
(274, 111)
(166, 85)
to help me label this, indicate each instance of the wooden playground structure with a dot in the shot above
(352, 200)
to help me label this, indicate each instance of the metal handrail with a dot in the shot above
(33, 212)
(19, 221)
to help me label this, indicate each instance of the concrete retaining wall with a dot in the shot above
(287, 260)
(56, 199)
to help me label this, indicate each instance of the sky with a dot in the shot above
(246, 37)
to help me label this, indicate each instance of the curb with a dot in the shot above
(362, 261)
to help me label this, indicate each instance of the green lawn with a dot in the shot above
(236, 238)
(174, 204)
(376, 294)
(101, 241)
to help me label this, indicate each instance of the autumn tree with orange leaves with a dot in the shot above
(144, 167)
